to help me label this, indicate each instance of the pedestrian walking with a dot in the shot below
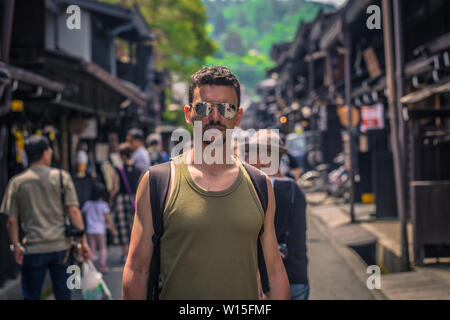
(290, 216)
(42, 197)
(141, 158)
(122, 198)
(212, 218)
(289, 166)
(98, 219)
(82, 180)
(155, 151)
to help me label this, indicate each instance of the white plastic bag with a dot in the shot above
(92, 285)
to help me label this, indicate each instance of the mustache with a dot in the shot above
(214, 124)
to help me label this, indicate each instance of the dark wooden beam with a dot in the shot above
(33, 78)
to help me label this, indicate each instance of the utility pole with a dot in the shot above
(393, 117)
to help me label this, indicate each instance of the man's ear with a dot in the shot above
(239, 117)
(188, 114)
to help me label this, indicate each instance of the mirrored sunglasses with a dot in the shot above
(227, 110)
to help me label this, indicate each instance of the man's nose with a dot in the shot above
(215, 114)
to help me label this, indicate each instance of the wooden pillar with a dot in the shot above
(393, 117)
(330, 76)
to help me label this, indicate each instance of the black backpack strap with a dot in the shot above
(260, 183)
(159, 187)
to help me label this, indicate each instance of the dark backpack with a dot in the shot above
(159, 187)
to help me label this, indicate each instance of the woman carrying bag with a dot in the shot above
(122, 198)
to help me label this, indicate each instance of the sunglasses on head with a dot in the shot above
(204, 109)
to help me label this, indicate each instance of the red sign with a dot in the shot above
(372, 117)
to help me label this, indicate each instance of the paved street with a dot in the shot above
(330, 275)
(335, 273)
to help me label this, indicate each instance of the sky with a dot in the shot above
(335, 2)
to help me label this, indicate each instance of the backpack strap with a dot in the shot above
(159, 187)
(260, 183)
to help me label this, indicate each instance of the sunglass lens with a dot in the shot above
(200, 109)
(229, 110)
(222, 108)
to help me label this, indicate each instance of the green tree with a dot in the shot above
(233, 43)
(182, 41)
(260, 24)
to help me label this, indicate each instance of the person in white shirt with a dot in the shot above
(98, 219)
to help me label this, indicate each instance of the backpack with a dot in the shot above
(159, 187)
(286, 199)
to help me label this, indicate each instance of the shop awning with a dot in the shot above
(32, 78)
(125, 89)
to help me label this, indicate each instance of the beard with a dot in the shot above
(212, 125)
(218, 126)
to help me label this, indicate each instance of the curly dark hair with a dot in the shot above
(216, 75)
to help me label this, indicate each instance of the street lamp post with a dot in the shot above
(348, 102)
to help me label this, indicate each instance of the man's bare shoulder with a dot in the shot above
(143, 183)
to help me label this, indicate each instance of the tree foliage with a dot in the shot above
(260, 24)
(182, 41)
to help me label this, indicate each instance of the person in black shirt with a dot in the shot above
(290, 218)
(289, 166)
(82, 180)
(122, 198)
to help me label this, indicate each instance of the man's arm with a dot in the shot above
(136, 270)
(278, 280)
(77, 221)
(76, 217)
(10, 205)
(13, 231)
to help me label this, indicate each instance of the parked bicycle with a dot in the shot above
(320, 183)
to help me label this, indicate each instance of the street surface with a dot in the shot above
(330, 276)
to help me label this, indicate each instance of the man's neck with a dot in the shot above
(214, 167)
(81, 174)
(38, 164)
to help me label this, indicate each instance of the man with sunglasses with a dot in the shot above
(212, 215)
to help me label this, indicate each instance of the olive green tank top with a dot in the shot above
(209, 245)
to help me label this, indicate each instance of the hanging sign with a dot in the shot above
(372, 117)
